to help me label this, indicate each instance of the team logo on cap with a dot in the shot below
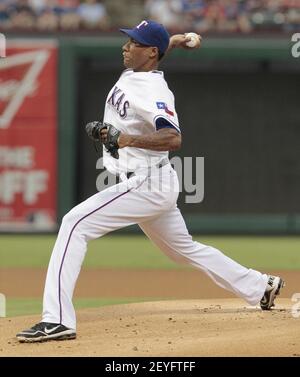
(143, 23)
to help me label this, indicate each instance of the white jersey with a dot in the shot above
(139, 104)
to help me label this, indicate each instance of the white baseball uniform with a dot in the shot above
(139, 104)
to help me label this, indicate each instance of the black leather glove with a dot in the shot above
(111, 143)
(93, 129)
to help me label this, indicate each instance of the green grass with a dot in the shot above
(29, 306)
(138, 252)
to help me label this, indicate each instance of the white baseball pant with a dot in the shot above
(131, 202)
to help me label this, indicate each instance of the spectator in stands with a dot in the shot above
(292, 19)
(194, 15)
(166, 12)
(38, 5)
(125, 12)
(48, 14)
(93, 14)
(236, 19)
(22, 15)
(4, 15)
(69, 18)
(215, 15)
(47, 20)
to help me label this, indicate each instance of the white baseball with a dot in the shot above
(194, 39)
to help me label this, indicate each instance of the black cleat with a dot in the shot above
(275, 283)
(43, 331)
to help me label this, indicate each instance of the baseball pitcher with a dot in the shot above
(139, 128)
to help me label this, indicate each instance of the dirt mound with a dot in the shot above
(218, 327)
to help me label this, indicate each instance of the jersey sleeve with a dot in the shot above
(158, 108)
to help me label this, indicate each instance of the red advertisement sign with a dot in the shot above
(28, 136)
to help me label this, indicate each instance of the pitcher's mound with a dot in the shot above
(224, 327)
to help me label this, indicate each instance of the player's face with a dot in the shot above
(138, 56)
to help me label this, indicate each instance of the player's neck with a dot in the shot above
(147, 67)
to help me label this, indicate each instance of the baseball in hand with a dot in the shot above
(194, 39)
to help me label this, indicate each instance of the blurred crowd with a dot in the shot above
(177, 15)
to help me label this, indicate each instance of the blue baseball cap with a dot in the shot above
(150, 33)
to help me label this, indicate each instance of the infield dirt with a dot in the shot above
(224, 327)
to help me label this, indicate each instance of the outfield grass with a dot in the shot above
(138, 252)
(29, 306)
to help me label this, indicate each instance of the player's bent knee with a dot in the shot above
(70, 218)
(77, 222)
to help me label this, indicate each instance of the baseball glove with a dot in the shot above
(110, 141)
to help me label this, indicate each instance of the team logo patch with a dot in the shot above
(163, 106)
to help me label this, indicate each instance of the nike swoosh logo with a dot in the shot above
(51, 330)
